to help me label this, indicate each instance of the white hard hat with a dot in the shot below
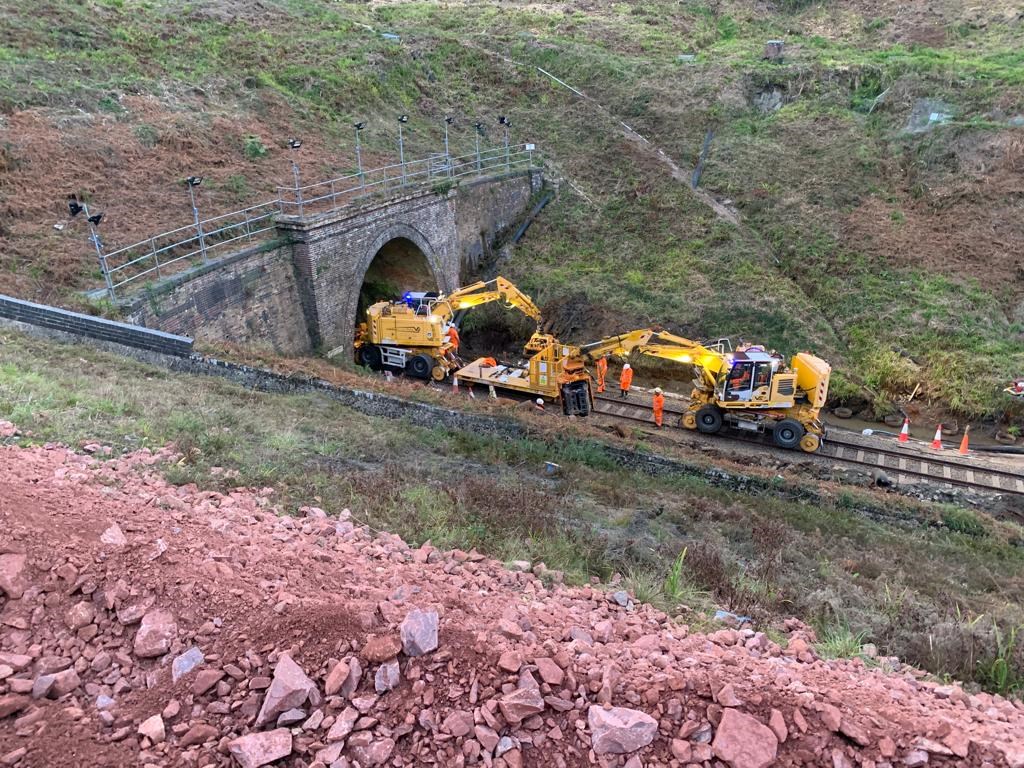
(625, 367)
(540, 401)
(657, 390)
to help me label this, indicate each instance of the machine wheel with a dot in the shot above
(370, 357)
(787, 433)
(420, 366)
(576, 398)
(809, 443)
(438, 373)
(709, 420)
(689, 420)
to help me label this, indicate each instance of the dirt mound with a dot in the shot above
(147, 624)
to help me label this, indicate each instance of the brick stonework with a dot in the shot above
(248, 298)
(301, 293)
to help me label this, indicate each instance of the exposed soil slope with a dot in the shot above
(322, 633)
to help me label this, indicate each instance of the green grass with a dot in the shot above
(685, 546)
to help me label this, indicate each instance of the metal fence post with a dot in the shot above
(156, 256)
(192, 184)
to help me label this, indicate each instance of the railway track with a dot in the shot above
(900, 464)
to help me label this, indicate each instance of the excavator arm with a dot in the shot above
(498, 289)
(661, 344)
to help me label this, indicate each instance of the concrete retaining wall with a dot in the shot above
(97, 328)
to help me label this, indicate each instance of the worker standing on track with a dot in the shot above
(538, 405)
(453, 337)
(625, 379)
(658, 406)
(602, 371)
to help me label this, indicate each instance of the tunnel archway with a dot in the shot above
(398, 266)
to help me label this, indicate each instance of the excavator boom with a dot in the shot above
(498, 289)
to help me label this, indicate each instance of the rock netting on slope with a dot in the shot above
(147, 624)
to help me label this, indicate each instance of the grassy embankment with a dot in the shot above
(938, 589)
(884, 250)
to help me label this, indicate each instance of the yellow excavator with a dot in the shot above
(413, 334)
(749, 388)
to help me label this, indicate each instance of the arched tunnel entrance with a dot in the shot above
(399, 266)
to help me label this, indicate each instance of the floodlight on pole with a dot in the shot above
(359, 156)
(192, 182)
(479, 132)
(448, 120)
(507, 123)
(295, 144)
(74, 208)
(402, 119)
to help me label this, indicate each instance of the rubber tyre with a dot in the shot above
(788, 433)
(438, 373)
(689, 420)
(843, 413)
(810, 443)
(709, 420)
(370, 357)
(420, 367)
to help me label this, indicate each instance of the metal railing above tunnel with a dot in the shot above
(193, 245)
(333, 194)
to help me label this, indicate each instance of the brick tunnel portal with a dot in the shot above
(399, 266)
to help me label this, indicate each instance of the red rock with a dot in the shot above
(13, 579)
(355, 674)
(681, 750)
(256, 749)
(831, 717)
(419, 632)
(12, 703)
(778, 725)
(153, 729)
(156, 633)
(458, 723)
(958, 742)
(336, 678)
(65, 682)
(549, 671)
(520, 704)
(114, 536)
(343, 725)
(80, 615)
(205, 680)
(915, 758)
(887, 747)
(381, 648)
(839, 759)
(487, 737)
(799, 720)
(510, 661)
(199, 734)
(854, 732)
(290, 689)
(619, 730)
(372, 753)
(743, 741)
(727, 696)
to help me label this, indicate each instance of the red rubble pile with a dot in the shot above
(146, 624)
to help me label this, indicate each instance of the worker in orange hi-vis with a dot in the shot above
(658, 406)
(602, 371)
(453, 337)
(625, 379)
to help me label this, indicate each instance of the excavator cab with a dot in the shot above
(749, 378)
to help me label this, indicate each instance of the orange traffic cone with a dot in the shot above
(937, 440)
(905, 432)
(455, 385)
(964, 442)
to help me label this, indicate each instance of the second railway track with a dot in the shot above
(902, 465)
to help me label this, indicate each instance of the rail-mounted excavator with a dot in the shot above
(749, 388)
(412, 334)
